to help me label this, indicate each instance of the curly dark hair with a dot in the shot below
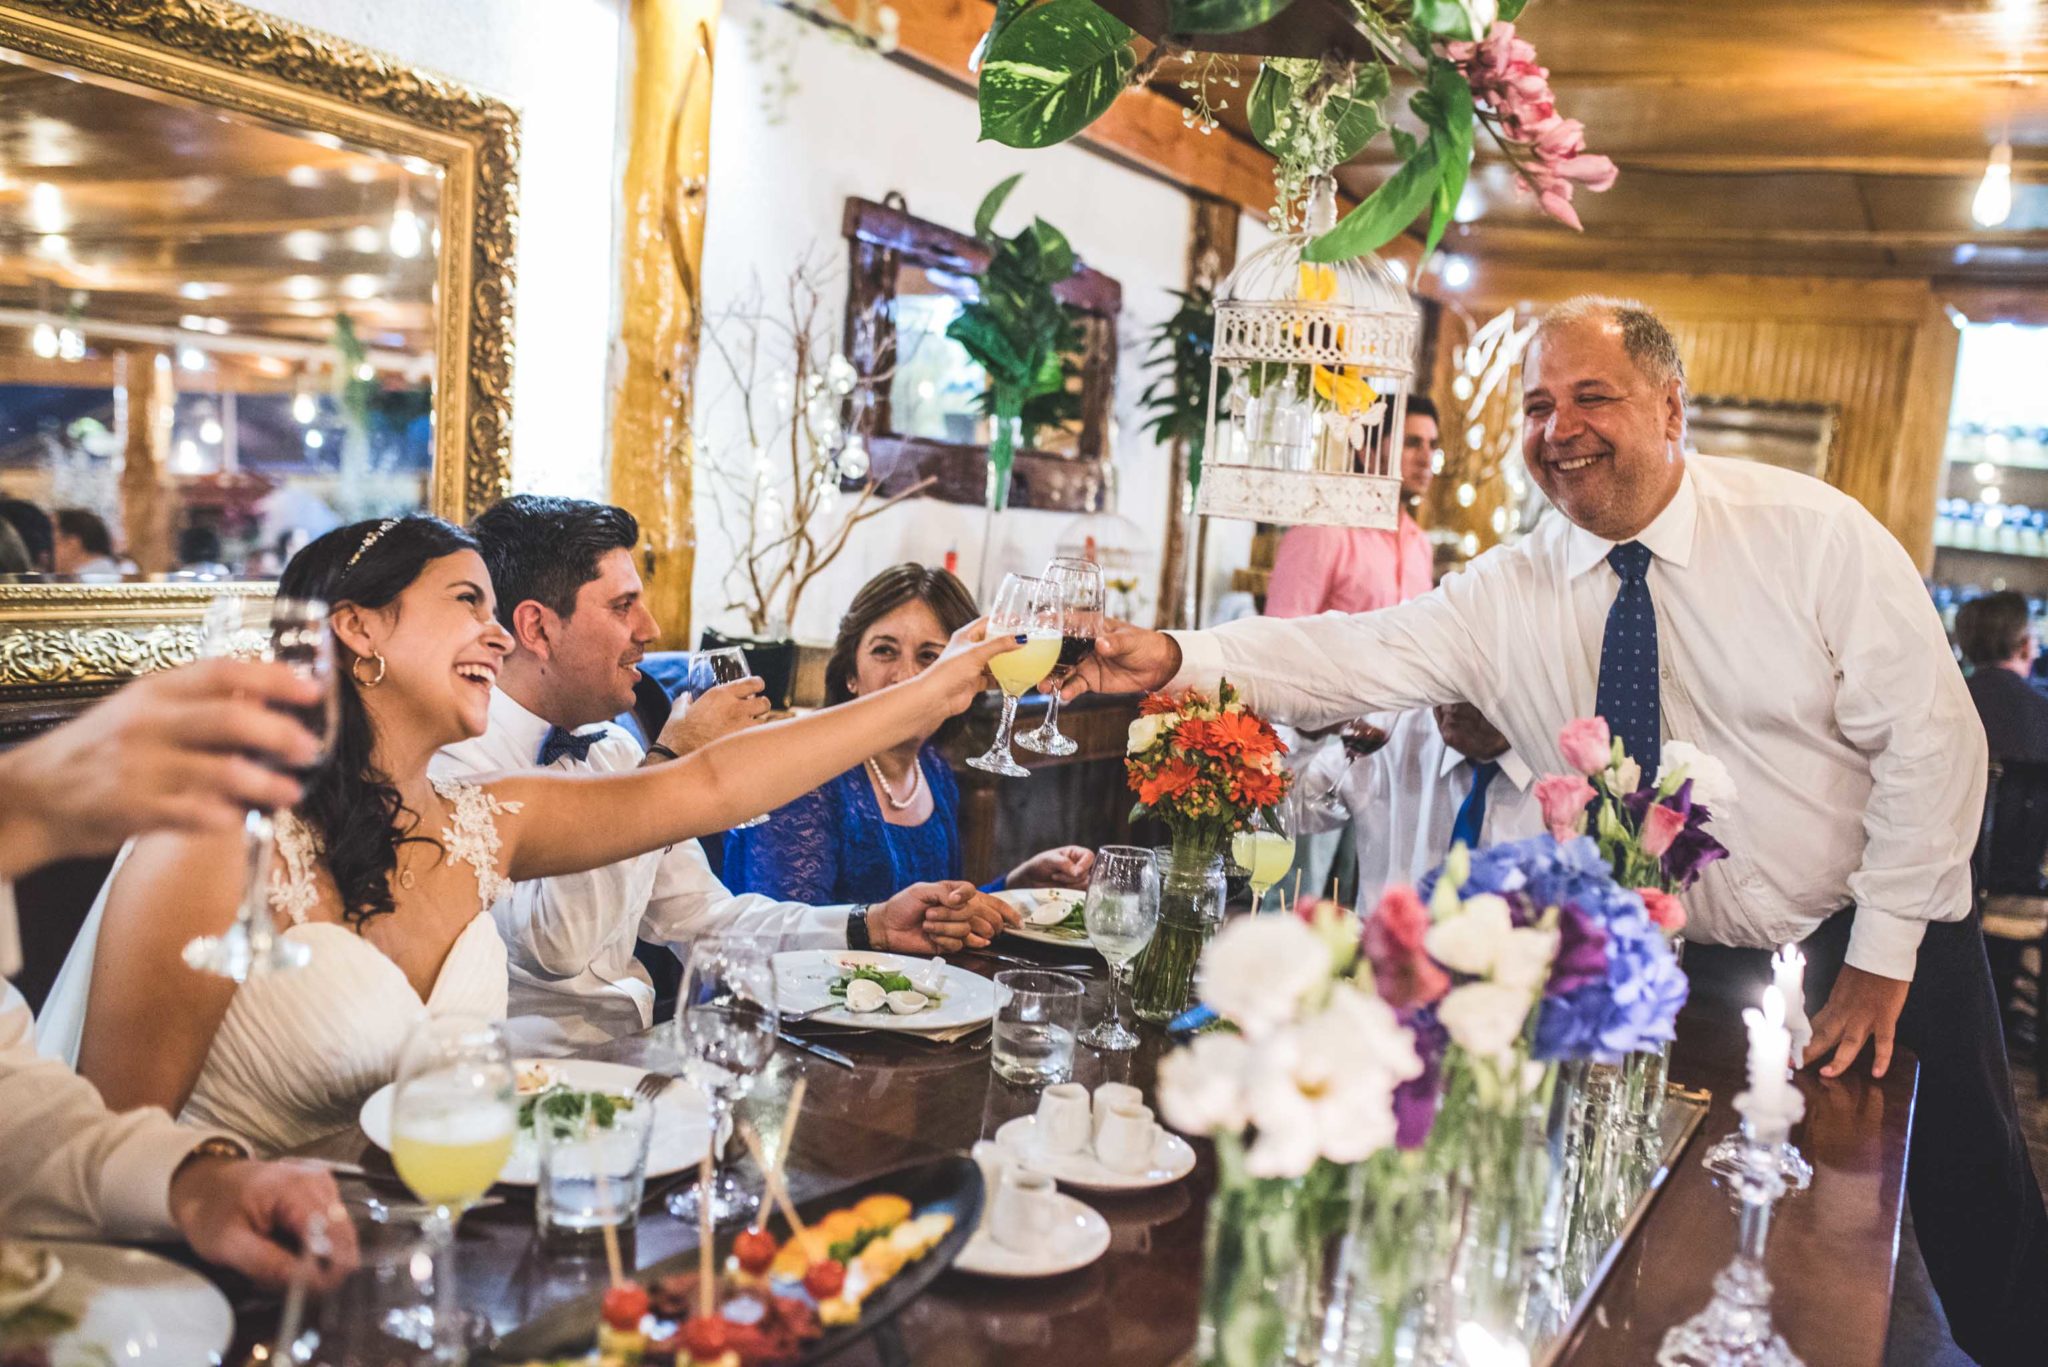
(349, 804)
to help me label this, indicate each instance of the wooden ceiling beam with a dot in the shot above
(1969, 168)
(1681, 233)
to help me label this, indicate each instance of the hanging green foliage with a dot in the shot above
(1178, 359)
(1051, 71)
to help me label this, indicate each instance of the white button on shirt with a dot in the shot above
(1798, 646)
(570, 939)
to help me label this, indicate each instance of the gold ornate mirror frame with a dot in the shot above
(60, 643)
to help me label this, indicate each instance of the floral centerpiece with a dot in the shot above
(1202, 764)
(1297, 1088)
(1653, 837)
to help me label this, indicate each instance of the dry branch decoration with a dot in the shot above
(1482, 434)
(779, 423)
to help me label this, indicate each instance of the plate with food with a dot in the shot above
(1052, 916)
(881, 991)
(108, 1304)
(582, 1092)
(781, 1300)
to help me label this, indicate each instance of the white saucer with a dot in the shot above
(1172, 1160)
(136, 1309)
(1079, 1236)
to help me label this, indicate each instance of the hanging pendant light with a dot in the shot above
(407, 235)
(1993, 202)
(1315, 363)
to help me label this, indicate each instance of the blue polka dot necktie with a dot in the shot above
(1628, 659)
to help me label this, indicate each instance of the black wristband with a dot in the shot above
(857, 936)
(659, 749)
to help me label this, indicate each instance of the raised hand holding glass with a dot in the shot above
(1028, 608)
(1079, 584)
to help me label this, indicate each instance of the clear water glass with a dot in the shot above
(724, 1029)
(1121, 912)
(727, 664)
(1037, 1015)
(1079, 584)
(591, 1176)
(301, 636)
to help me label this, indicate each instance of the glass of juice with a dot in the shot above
(1027, 607)
(453, 1119)
(1264, 849)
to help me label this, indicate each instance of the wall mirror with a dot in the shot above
(255, 282)
(1792, 436)
(918, 404)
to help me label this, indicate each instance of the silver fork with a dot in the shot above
(652, 1085)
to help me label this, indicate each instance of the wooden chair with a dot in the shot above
(2011, 890)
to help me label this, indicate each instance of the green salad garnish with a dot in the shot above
(890, 980)
(565, 1108)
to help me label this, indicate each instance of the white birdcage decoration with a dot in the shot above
(1315, 363)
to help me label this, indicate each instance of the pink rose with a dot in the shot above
(1563, 798)
(1401, 917)
(1402, 971)
(1661, 825)
(1665, 910)
(1587, 745)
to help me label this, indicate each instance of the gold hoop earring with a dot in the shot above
(355, 667)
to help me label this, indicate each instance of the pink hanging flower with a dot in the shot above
(1563, 798)
(1666, 912)
(1507, 82)
(1661, 825)
(1587, 744)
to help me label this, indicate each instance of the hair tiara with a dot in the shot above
(376, 534)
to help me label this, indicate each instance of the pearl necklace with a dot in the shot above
(916, 784)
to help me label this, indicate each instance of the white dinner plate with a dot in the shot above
(1038, 904)
(1172, 1159)
(135, 1308)
(804, 977)
(1079, 1236)
(682, 1127)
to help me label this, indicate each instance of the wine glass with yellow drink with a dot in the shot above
(1028, 608)
(1265, 848)
(453, 1120)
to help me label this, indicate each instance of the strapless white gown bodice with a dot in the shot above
(299, 1052)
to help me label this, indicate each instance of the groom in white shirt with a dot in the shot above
(569, 594)
(1774, 623)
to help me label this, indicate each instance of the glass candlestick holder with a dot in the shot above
(1735, 1330)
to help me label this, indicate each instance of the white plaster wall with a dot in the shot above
(860, 125)
(558, 63)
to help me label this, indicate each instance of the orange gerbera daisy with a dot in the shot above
(1175, 777)
(1258, 787)
(1242, 733)
(1156, 703)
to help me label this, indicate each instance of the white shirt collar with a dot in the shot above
(514, 728)
(1669, 535)
(1512, 767)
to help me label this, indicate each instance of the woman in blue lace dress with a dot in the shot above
(893, 821)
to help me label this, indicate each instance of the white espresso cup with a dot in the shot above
(994, 1160)
(1026, 1205)
(1127, 1139)
(1064, 1123)
(1112, 1094)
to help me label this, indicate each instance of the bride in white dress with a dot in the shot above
(388, 877)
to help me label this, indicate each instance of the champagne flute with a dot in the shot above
(300, 636)
(1079, 583)
(1265, 848)
(725, 1027)
(453, 1119)
(1121, 913)
(728, 664)
(1030, 608)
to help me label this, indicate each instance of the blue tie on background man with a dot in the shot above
(1471, 819)
(1628, 660)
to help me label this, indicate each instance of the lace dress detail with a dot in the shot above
(292, 887)
(473, 839)
(832, 845)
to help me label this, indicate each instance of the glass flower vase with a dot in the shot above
(1191, 895)
(1265, 1286)
(1396, 1236)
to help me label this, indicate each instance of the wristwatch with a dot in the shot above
(857, 936)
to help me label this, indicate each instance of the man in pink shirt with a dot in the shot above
(1351, 569)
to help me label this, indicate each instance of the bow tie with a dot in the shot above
(561, 742)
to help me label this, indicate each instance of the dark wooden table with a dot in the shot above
(1832, 1248)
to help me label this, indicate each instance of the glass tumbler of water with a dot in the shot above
(1037, 1014)
(593, 1170)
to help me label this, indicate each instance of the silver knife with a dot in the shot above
(815, 1050)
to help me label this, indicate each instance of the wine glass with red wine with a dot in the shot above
(300, 636)
(1359, 738)
(1079, 583)
(728, 664)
